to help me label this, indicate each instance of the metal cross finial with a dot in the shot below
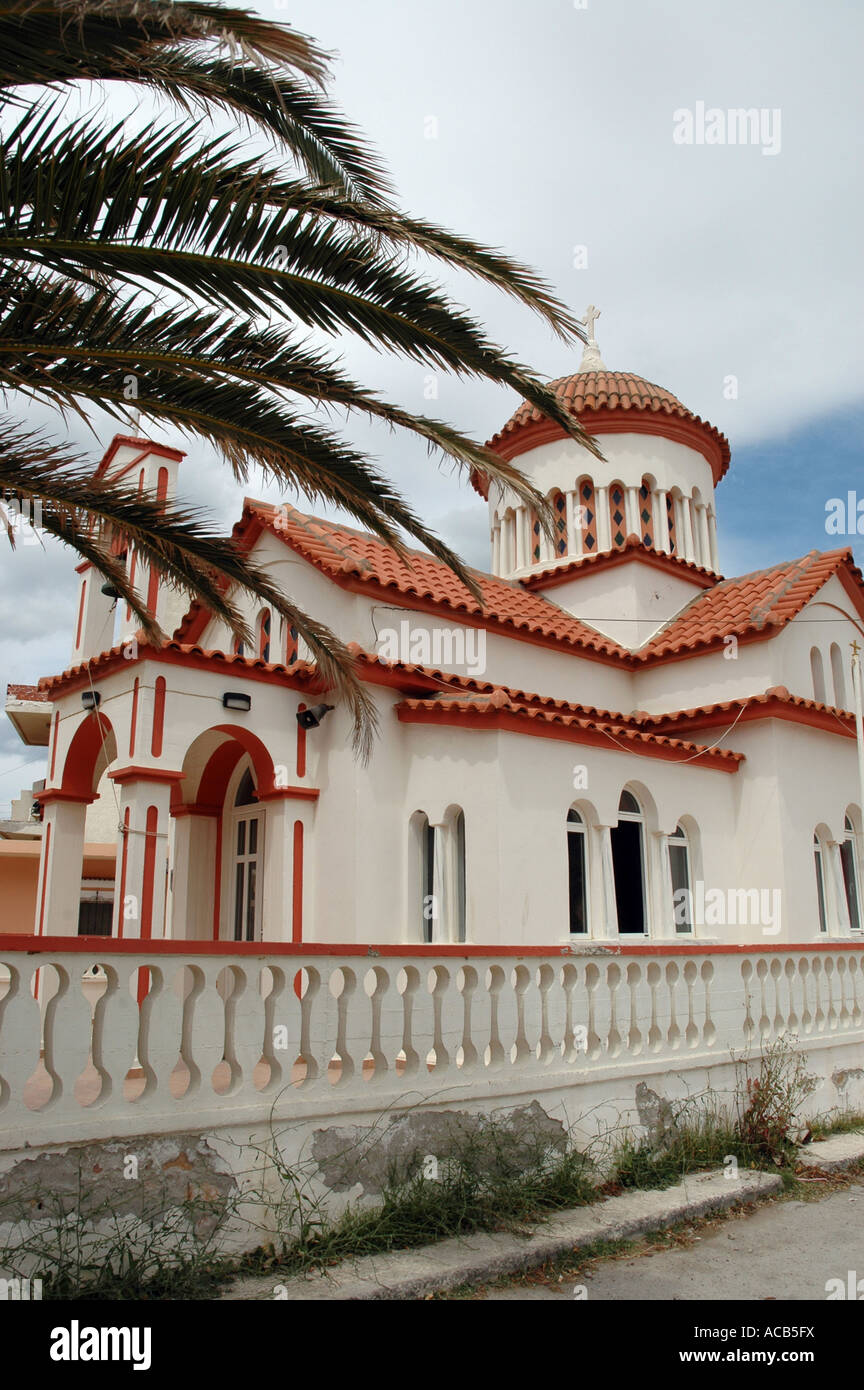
(855, 647)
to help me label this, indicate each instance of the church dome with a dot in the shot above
(609, 402)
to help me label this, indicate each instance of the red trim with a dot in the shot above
(632, 421)
(173, 946)
(614, 740)
(217, 884)
(80, 614)
(123, 864)
(133, 442)
(152, 590)
(149, 873)
(158, 717)
(290, 794)
(301, 746)
(297, 892)
(829, 720)
(82, 754)
(52, 794)
(46, 850)
(632, 549)
(134, 723)
(54, 738)
(83, 567)
(146, 774)
(181, 654)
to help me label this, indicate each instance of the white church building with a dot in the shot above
(619, 745)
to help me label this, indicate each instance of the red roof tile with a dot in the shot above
(749, 604)
(25, 692)
(632, 549)
(608, 402)
(504, 713)
(360, 561)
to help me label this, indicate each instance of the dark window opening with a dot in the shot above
(629, 886)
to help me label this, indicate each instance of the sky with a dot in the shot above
(727, 272)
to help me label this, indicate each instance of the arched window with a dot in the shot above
(263, 642)
(838, 677)
(849, 860)
(670, 523)
(617, 514)
(679, 871)
(239, 647)
(628, 863)
(577, 871)
(558, 503)
(535, 537)
(247, 848)
(508, 543)
(646, 514)
(818, 675)
(290, 645)
(587, 517)
(820, 883)
(428, 906)
(459, 887)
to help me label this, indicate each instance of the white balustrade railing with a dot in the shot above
(164, 1034)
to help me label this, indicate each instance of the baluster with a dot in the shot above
(20, 1036)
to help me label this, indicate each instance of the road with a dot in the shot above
(784, 1250)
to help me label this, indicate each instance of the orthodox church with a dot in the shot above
(619, 744)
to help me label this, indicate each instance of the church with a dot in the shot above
(619, 745)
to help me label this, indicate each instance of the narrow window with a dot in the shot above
(679, 870)
(428, 909)
(628, 863)
(646, 515)
(820, 884)
(838, 677)
(246, 850)
(264, 634)
(291, 646)
(617, 514)
(577, 873)
(459, 875)
(670, 523)
(848, 858)
(559, 506)
(588, 516)
(818, 675)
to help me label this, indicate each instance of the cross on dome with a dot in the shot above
(591, 359)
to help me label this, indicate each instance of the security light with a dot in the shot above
(90, 698)
(311, 718)
(234, 699)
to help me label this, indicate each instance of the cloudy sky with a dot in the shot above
(550, 130)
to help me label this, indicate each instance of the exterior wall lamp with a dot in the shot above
(234, 699)
(90, 698)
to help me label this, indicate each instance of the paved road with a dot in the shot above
(788, 1250)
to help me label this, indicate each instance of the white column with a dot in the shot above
(661, 520)
(687, 530)
(574, 531)
(61, 860)
(712, 542)
(604, 532)
(193, 875)
(704, 537)
(496, 548)
(633, 522)
(142, 858)
(609, 923)
(659, 871)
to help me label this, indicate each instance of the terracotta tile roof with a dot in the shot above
(502, 712)
(300, 672)
(357, 560)
(610, 402)
(748, 604)
(632, 549)
(25, 692)
(770, 702)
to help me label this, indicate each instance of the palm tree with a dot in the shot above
(175, 258)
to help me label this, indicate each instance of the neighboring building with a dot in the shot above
(620, 743)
